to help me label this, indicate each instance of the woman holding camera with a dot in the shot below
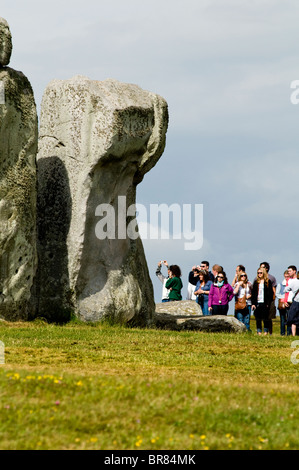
(202, 290)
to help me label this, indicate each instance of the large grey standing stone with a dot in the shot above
(97, 141)
(5, 42)
(18, 148)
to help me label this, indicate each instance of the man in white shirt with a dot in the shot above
(293, 286)
(292, 270)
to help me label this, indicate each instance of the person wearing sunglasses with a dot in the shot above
(221, 293)
(242, 292)
(202, 291)
(293, 313)
(261, 298)
(239, 269)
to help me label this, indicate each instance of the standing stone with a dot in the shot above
(18, 148)
(5, 42)
(97, 141)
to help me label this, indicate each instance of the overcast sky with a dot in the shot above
(225, 68)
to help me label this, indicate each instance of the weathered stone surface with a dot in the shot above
(180, 307)
(97, 140)
(18, 147)
(213, 323)
(5, 42)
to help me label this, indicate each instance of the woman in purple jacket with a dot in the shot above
(221, 293)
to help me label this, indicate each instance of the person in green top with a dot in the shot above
(174, 283)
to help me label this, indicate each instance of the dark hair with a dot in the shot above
(292, 267)
(176, 270)
(224, 276)
(267, 265)
(205, 275)
(241, 267)
(206, 263)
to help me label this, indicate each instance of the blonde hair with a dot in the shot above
(265, 276)
(243, 274)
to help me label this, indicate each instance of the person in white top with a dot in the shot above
(239, 269)
(163, 279)
(293, 315)
(261, 298)
(292, 270)
(284, 303)
(192, 281)
(242, 291)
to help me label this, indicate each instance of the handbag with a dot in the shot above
(281, 304)
(240, 302)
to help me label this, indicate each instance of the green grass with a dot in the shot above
(82, 386)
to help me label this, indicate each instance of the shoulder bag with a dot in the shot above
(240, 302)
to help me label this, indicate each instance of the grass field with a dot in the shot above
(83, 386)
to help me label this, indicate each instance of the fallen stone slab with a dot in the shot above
(212, 323)
(180, 307)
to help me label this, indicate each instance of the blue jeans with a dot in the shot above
(204, 306)
(283, 322)
(244, 316)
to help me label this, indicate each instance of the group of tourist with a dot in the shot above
(212, 291)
